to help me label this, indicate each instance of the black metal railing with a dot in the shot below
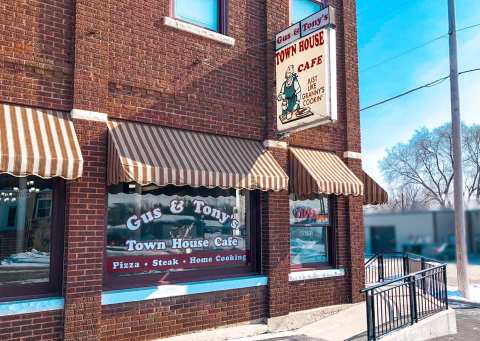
(383, 267)
(411, 288)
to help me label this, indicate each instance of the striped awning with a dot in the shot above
(38, 142)
(148, 154)
(374, 193)
(314, 171)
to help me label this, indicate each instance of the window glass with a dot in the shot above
(176, 229)
(24, 235)
(203, 13)
(300, 9)
(309, 228)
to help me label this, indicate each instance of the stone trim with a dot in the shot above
(315, 274)
(199, 31)
(87, 115)
(352, 155)
(275, 144)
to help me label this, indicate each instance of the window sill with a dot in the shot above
(315, 274)
(199, 31)
(172, 290)
(31, 306)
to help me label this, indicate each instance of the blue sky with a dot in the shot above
(387, 28)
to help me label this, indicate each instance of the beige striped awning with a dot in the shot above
(314, 171)
(148, 154)
(38, 142)
(374, 193)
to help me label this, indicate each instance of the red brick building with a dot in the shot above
(126, 127)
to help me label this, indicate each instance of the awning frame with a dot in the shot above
(166, 156)
(311, 171)
(38, 142)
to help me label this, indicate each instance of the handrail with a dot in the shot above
(399, 298)
(371, 259)
(382, 284)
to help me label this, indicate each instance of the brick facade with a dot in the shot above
(118, 58)
(36, 326)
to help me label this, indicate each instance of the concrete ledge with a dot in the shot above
(31, 306)
(242, 330)
(303, 318)
(199, 31)
(441, 324)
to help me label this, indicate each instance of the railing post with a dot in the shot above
(406, 265)
(422, 265)
(444, 270)
(413, 299)
(371, 335)
(380, 268)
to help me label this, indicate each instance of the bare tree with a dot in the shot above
(407, 197)
(422, 168)
(471, 147)
(425, 161)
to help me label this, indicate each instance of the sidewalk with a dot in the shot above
(343, 325)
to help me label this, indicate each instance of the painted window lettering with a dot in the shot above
(173, 230)
(134, 222)
(177, 206)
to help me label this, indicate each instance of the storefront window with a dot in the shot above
(310, 232)
(26, 231)
(177, 233)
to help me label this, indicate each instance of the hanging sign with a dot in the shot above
(306, 73)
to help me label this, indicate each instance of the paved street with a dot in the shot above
(468, 324)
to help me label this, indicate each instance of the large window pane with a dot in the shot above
(204, 13)
(176, 229)
(309, 226)
(300, 9)
(25, 229)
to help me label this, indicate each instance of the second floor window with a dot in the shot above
(204, 13)
(300, 9)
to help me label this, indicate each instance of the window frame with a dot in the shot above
(222, 17)
(331, 242)
(115, 282)
(290, 10)
(53, 287)
(37, 208)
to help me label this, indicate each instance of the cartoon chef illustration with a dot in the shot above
(290, 94)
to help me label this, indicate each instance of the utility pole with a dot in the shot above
(460, 235)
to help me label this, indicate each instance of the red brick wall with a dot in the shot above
(126, 63)
(36, 52)
(46, 325)
(319, 293)
(85, 237)
(165, 317)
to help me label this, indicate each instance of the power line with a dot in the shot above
(412, 49)
(468, 27)
(428, 85)
(401, 54)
